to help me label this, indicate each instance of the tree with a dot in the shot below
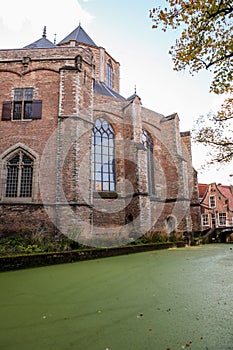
(205, 42)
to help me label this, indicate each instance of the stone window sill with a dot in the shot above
(106, 194)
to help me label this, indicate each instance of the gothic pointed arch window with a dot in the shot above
(148, 144)
(103, 162)
(19, 175)
(109, 74)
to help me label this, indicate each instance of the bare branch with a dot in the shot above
(224, 11)
(223, 58)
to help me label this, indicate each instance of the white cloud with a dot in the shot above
(25, 24)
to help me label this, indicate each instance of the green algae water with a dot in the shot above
(174, 299)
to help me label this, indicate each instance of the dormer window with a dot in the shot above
(109, 74)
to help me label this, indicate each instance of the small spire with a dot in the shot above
(135, 89)
(44, 32)
(55, 39)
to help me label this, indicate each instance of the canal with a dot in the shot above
(170, 299)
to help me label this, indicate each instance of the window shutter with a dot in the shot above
(6, 110)
(36, 109)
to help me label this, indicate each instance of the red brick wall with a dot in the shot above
(61, 142)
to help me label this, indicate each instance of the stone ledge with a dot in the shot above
(44, 259)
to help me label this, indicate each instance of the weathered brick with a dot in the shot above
(61, 141)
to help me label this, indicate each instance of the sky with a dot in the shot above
(124, 29)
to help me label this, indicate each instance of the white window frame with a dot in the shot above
(212, 201)
(222, 219)
(205, 220)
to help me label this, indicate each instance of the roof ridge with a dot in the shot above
(79, 35)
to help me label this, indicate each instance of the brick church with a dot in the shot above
(78, 158)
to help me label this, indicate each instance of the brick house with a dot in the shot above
(216, 203)
(79, 158)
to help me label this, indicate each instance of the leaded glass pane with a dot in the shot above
(105, 150)
(148, 144)
(106, 186)
(98, 167)
(98, 158)
(103, 156)
(19, 176)
(12, 180)
(28, 94)
(105, 168)
(28, 110)
(26, 182)
(23, 98)
(98, 176)
(17, 110)
(97, 149)
(18, 94)
(109, 74)
(14, 160)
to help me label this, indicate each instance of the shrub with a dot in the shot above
(27, 243)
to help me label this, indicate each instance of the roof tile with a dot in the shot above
(42, 43)
(78, 35)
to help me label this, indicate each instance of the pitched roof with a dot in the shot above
(132, 97)
(103, 89)
(169, 117)
(78, 35)
(226, 192)
(42, 43)
(202, 189)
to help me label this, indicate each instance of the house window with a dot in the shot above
(109, 74)
(19, 175)
(23, 106)
(212, 201)
(205, 220)
(222, 219)
(103, 162)
(148, 144)
(213, 220)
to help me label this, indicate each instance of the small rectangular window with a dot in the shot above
(23, 106)
(212, 202)
(18, 94)
(22, 103)
(28, 94)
